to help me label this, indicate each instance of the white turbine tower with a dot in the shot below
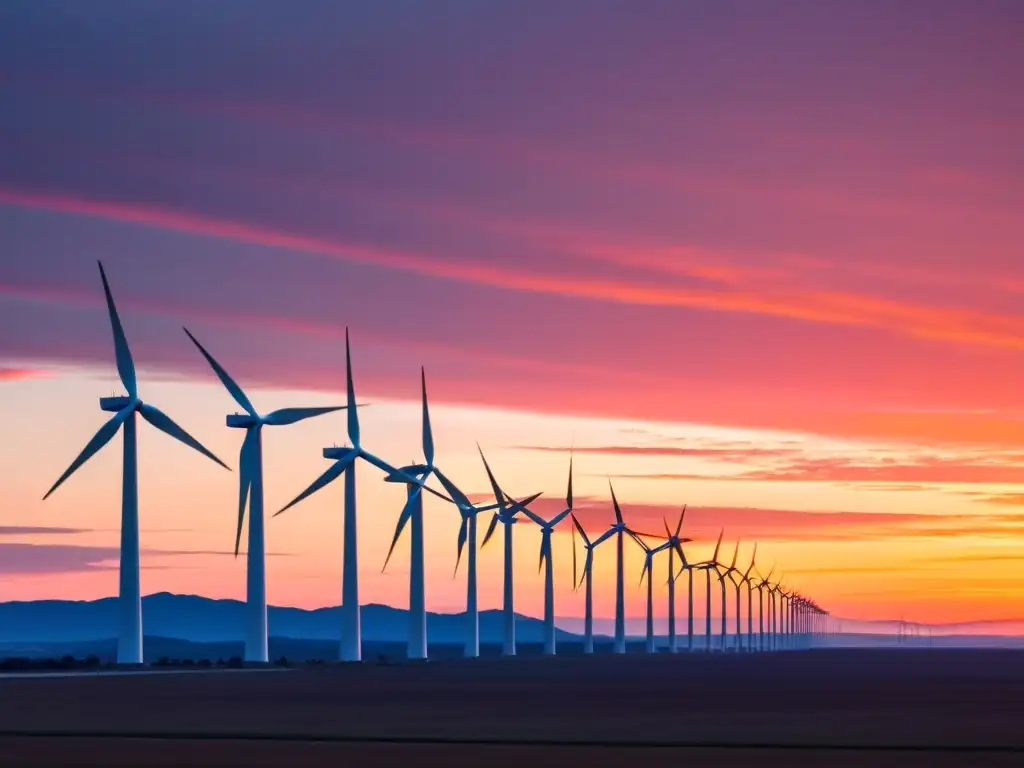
(345, 464)
(467, 534)
(415, 477)
(124, 408)
(707, 567)
(250, 486)
(762, 582)
(649, 553)
(619, 529)
(588, 574)
(745, 579)
(673, 543)
(547, 528)
(506, 515)
(722, 574)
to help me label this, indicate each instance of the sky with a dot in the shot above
(763, 258)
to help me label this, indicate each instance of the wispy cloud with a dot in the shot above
(20, 374)
(891, 474)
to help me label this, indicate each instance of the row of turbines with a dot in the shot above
(788, 620)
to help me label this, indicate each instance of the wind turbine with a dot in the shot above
(708, 566)
(547, 528)
(506, 514)
(415, 477)
(674, 544)
(773, 604)
(761, 584)
(250, 483)
(745, 579)
(124, 408)
(467, 532)
(344, 459)
(619, 529)
(738, 579)
(722, 574)
(648, 570)
(588, 574)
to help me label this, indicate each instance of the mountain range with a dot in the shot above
(205, 620)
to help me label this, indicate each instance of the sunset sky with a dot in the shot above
(764, 258)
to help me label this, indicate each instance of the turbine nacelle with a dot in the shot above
(242, 420)
(335, 453)
(119, 403)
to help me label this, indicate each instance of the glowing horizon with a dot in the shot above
(784, 295)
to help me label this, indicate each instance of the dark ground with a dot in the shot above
(853, 707)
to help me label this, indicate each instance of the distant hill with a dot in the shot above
(203, 620)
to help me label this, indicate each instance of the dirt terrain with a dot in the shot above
(824, 707)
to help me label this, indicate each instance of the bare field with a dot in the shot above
(604, 709)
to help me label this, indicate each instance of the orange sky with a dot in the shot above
(762, 261)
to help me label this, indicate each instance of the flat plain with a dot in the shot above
(832, 707)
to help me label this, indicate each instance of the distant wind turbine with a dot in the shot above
(467, 534)
(547, 528)
(745, 579)
(351, 644)
(588, 575)
(762, 583)
(250, 484)
(124, 408)
(648, 571)
(674, 543)
(708, 566)
(415, 477)
(506, 515)
(722, 575)
(619, 529)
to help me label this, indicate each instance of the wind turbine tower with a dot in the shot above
(344, 463)
(124, 408)
(250, 477)
(547, 528)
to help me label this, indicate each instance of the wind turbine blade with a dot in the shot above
(668, 533)
(559, 517)
(428, 434)
(647, 564)
(545, 548)
(574, 572)
(379, 463)
(457, 496)
(679, 525)
(588, 564)
(123, 355)
(333, 473)
(533, 516)
(735, 554)
(568, 494)
(714, 557)
(618, 512)
(604, 536)
(679, 550)
(515, 507)
(578, 527)
(167, 425)
(490, 531)
(229, 384)
(101, 438)
(499, 495)
(402, 520)
(284, 416)
(244, 481)
(463, 532)
(353, 412)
